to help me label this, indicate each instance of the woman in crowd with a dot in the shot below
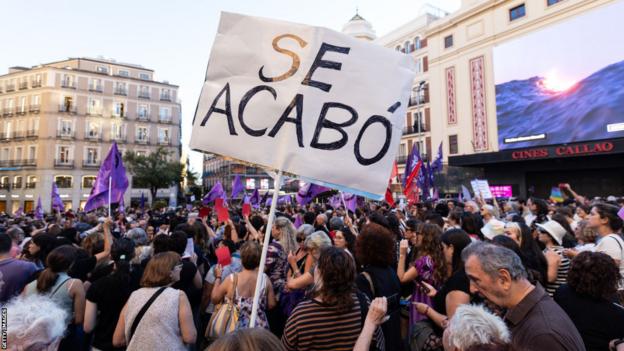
(240, 287)
(428, 267)
(538, 212)
(344, 239)
(332, 318)
(254, 339)
(533, 256)
(472, 224)
(474, 328)
(37, 249)
(374, 252)
(551, 236)
(588, 299)
(453, 293)
(107, 296)
(284, 242)
(67, 292)
(168, 320)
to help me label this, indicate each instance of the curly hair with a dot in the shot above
(337, 270)
(432, 246)
(594, 274)
(375, 246)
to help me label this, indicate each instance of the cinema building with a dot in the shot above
(529, 94)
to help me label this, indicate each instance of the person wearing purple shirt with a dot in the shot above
(14, 274)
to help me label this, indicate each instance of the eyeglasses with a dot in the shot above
(178, 266)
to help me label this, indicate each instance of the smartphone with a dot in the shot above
(394, 303)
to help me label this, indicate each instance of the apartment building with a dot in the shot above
(58, 121)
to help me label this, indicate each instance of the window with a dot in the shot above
(143, 111)
(144, 92)
(91, 156)
(18, 153)
(63, 153)
(552, 2)
(88, 181)
(144, 76)
(93, 129)
(165, 94)
(398, 48)
(32, 152)
(448, 41)
(67, 128)
(163, 135)
(517, 12)
(36, 81)
(120, 88)
(142, 133)
(35, 103)
(408, 47)
(119, 109)
(453, 147)
(102, 69)
(63, 181)
(418, 65)
(68, 81)
(417, 43)
(123, 73)
(94, 106)
(5, 154)
(95, 85)
(117, 131)
(17, 182)
(418, 126)
(165, 114)
(22, 105)
(31, 182)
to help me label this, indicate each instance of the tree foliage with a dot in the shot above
(153, 171)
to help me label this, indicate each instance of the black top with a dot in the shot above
(386, 283)
(82, 266)
(186, 283)
(110, 294)
(457, 282)
(598, 321)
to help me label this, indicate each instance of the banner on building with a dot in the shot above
(304, 99)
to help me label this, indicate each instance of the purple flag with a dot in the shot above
(436, 166)
(142, 202)
(255, 198)
(113, 171)
(335, 201)
(264, 198)
(351, 201)
(284, 199)
(39, 209)
(412, 160)
(308, 192)
(621, 213)
(216, 192)
(122, 207)
(298, 221)
(19, 212)
(237, 186)
(57, 203)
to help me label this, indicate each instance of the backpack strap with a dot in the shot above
(144, 309)
(370, 282)
(614, 237)
(60, 285)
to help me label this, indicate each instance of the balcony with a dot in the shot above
(5, 186)
(60, 163)
(120, 139)
(31, 133)
(401, 159)
(5, 163)
(415, 101)
(67, 108)
(121, 91)
(35, 84)
(34, 108)
(94, 112)
(21, 111)
(95, 88)
(9, 88)
(143, 141)
(68, 85)
(93, 137)
(31, 185)
(166, 142)
(24, 163)
(19, 134)
(119, 115)
(414, 129)
(165, 97)
(165, 119)
(23, 85)
(90, 164)
(64, 184)
(8, 111)
(16, 185)
(5, 136)
(144, 95)
(143, 117)
(65, 134)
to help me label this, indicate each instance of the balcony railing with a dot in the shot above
(142, 141)
(23, 85)
(19, 134)
(10, 87)
(5, 163)
(17, 185)
(67, 108)
(165, 119)
(63, 185)
(30, 185)
(119, 138)
(90, 164)
(35, 84)
(119, 115)
(415, 101)
(68, 85)
(93, 137)
(143, 95)
(165, 97)
(121, 91)
(5, 186)
(401, 159)
(58, 163)
(24, 163)
(5, 136)
(95, 88)
(144, 117)
(165, 142)
(414, 129)
(34, 108)
(32, 133)
(65, 134)
(21, 111)
(8, 111)
(94, 112)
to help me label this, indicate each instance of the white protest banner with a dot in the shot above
(481, 188)
(306, 100)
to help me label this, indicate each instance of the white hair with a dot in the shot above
(473, 325)
(34, 318)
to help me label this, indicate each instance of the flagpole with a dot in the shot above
(110, 189)
(265, 247)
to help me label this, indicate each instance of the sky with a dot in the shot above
(568, 51)
(173, 38)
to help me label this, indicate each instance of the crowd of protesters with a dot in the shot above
(437, 275)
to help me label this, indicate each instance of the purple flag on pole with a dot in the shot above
(142, 203)
(351, 201)
(19, 212)
(216, 192)
(436, 166)
(237, 186)
(57, 203)
(621, 213)
(112, 168)
(308, 192)
(335, 201)
(298, 221)
(255, 198)
(412, 160)
(264, 198)
(122, 207)
(39, 209)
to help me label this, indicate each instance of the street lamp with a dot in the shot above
(419, 89)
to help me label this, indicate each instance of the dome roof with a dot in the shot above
(359, 28)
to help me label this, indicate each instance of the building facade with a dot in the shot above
(59, 120)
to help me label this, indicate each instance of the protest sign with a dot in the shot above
(294, 97)
(481, 188)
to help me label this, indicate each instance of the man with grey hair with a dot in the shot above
(473, 327)
(535, 320)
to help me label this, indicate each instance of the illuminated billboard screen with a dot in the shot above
(501, 191)
(563, 83)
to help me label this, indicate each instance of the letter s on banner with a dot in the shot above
(327, 109)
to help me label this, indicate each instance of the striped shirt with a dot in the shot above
(315, 326)
(562, 271)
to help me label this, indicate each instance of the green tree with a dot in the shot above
(153, 171)
(194, 188)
